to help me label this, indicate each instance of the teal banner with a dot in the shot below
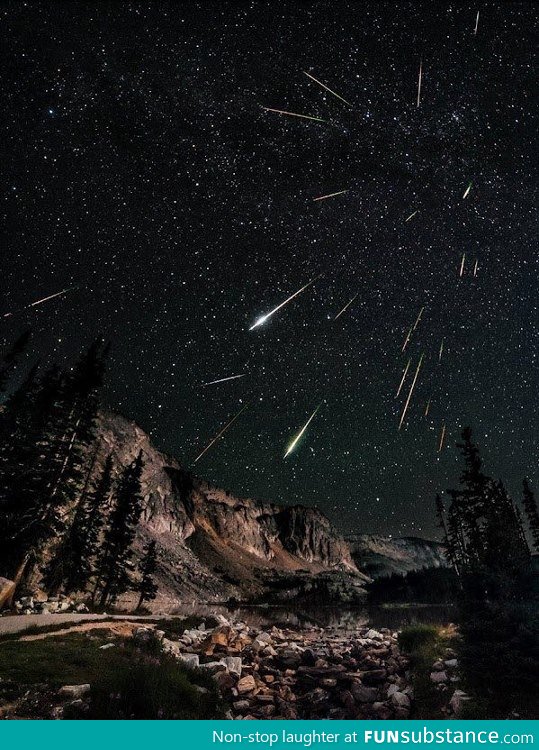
(278, 735)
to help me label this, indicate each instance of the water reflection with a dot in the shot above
(342, 617)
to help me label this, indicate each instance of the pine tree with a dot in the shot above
(49, 429)
(9, 359)
(78, 550)
(113, 569)
(147, 567)
(532, 514)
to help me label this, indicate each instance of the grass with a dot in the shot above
(424, 644)
(126, 681)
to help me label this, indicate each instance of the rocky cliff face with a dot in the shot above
(213, 545)
(381, 556)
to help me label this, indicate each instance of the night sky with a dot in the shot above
(139, 166)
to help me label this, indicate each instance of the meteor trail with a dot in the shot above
(411, 216)
(407, 339)
(427, 407)
(40, 301)
(330, 195)
(441, 351)
(442, 437)
(326, 87)
(467, 190)
(419, 81)
(293, 114)
(265, 317)
(222, 432)
(346, 307)
(300, 433)
(475, 268)
(476, 24)
(399, 389)
(223, 380)
(418, 319)
(411, 391)
(462, 265)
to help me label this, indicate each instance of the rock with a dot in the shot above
(363, 694)
(438, 677)
(451, 663)
(222, 620)
(374, 676)
(438, 666)
(74, 692)
(458, 699)
(233, 664)
(190, 660)
(242, 705)
(246, 685)
(81, 608)
(106, 646)
(400, 700)
(374, 635)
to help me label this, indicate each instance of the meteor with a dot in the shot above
(293, 114)
(419, 81)
(346, 306)
(407, 339)
(467, 190)
(476, 24)
(442, 437)
(411, 216)
(223, 380)
(475, 268)
(427, 407)
(399, 389)
(326, 87)
(462, 265)
(330, 195)
(300, 433)
(265, 317)
(441, 351)
(411, 391)
(221, 433)
(418, 319)
(41, 301)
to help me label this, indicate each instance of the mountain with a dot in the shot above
(213, 545)
(379, 556)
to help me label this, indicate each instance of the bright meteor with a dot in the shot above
(41, 301)
(346, 307)
(221, 433)
(420, 78)
(411, 216)
(326, 87)
(329, 195)
(293, 114)
(301, 432)
(410, 391)
(223, 380)
(466, 192)
(265, 317)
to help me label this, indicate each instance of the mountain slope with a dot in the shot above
(211, 544)
(380, 556)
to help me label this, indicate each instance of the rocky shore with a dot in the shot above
(299, 674)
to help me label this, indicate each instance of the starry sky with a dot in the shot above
(140, 167)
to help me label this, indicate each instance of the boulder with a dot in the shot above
(233, 664)
(400, 700)
(190, 660)
(438, 677)
(74, 692)
(246, 685)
